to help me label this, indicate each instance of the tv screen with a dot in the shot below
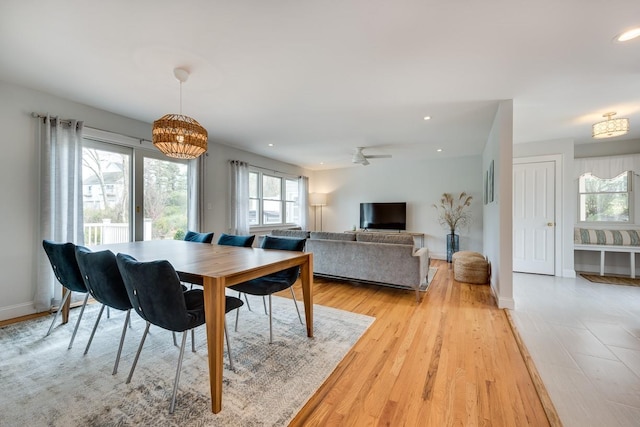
(383, 216)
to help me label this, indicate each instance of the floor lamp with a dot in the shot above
(315, 200)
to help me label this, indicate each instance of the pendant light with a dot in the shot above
(179, 136)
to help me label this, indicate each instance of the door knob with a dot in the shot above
(551, 224)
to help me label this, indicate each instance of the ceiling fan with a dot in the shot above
(360, 158)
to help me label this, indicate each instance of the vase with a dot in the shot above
(453, 245)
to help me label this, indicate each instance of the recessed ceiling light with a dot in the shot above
(629, 35)
(322, 163)
(427, 117)
(439, 150)
(270, 145)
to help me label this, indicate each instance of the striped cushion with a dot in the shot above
(590, 236)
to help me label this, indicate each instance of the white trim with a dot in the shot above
(116, 138)
(17, 310)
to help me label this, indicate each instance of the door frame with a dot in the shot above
(559, 226)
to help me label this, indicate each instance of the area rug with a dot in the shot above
(44, 384)
(611, 280)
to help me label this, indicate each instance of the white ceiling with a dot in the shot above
(317, 78)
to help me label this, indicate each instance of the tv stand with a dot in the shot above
(417, 236)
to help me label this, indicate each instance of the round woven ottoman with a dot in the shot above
(471, 269)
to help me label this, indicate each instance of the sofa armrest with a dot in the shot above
(423, 255)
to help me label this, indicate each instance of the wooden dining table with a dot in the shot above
(222, 266)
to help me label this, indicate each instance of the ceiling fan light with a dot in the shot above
(610, 128)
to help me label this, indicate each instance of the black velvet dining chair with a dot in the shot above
(62, 257)
(104, 282)
(156, 294)
(276, 282)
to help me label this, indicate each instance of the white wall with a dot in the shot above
(19, 183)
(420, 183)
(498, 217)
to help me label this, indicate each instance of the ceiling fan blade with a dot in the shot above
(378, 156)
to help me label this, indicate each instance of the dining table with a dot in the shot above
(221, 266)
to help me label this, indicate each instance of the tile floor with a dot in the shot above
(584, 339)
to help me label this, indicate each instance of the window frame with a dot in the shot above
(284, 177)
(630, 202)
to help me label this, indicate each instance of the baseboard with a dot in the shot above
(503, 302)
(18, 310)
(571, 274)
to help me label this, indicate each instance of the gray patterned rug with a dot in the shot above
(44, 384)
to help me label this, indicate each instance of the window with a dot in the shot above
(131, 193)
(605, 200)
(273, 199)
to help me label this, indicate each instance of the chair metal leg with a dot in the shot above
(108, 313)
(237, 315)
(226, 335)
(265, 306)
(193, 340)
(64, 300)
(174, 339)
(84, 304)
(175, 384)
(124, 331)
(93, 332)
(293, 294)
(135, 360)
(270, 322)
(246, 300)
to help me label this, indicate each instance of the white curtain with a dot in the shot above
(303, 200)
(60, 144)
(195, 194)
(239, 192)
(607, 167)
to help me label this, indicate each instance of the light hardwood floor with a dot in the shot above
(450, 360)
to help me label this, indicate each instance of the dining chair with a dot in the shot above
(276, 282)
(193, 236)
(62, 257)
(156, 294)
(245, 242)
(235, 240)
(104, 282)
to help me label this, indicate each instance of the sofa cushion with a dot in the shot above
(327, 235)
(398, 239)
(298, 234)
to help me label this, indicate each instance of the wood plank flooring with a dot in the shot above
(450, 360)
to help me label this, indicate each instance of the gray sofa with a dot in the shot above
(386, 259)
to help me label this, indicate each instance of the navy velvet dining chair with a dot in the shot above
(276, 282)
(193, 236)
(104, 282)
(235, 240)
(62, 257)
(156, 294)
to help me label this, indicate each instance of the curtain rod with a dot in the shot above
(68, 121)
(274, 171)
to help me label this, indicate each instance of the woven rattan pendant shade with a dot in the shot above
(176, 135)
(179, 136)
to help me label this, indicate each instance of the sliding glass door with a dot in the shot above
(132, 194)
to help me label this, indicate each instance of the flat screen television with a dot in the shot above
(383, 216)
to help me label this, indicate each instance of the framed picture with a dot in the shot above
(486, 187)
(491, 188)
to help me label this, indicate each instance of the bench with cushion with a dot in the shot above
(601, 240)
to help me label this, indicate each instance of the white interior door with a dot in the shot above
(534, 217)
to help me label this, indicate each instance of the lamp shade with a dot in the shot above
(179, 136)
(318, 199)
(610, 127)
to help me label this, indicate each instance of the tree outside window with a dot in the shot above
(604, 200)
